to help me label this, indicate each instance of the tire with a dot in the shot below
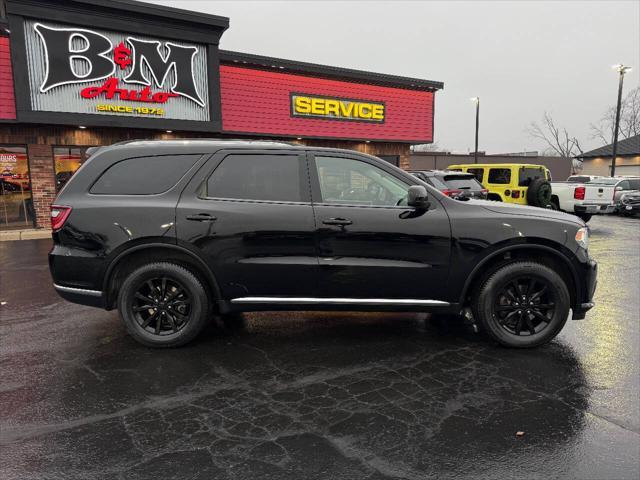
(505, 321)
(168, 324)
(539, 193)
(555, 205)
(585, 216)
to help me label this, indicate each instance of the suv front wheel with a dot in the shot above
(522, 304)
(163, 305)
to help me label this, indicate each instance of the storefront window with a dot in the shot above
(16, 206)
(67, 161)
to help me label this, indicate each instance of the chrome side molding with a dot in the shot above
(78, 291)
(339, 301)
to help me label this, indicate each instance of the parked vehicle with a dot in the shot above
(523, 184)
(583, 178)
(583, 199)
(630, 204)
(453, 184)
(622, 186)
(173, 232)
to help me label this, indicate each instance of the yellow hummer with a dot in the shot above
(520, 183)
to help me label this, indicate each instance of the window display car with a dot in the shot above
(173, 232)
(454, 184)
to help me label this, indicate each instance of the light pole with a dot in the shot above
(622, 69)
(476, 100)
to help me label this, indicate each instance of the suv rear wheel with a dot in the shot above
(163, 305)
(522, 305)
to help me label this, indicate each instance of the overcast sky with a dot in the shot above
(521, 58)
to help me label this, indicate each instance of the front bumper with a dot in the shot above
(586, 290)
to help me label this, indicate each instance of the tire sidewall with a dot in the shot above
(535, 193)
(497, 280)
(197, 293)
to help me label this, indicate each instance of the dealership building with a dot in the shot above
(75, 74)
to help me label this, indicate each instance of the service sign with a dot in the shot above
(79, 70)
(331, 108)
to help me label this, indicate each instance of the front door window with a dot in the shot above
(344, 181)
(16, 205)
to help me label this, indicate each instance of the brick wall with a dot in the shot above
(7, 101)
(43, 185)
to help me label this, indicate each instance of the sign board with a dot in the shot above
(101, 72)
(332, 108)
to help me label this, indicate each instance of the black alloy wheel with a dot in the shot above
(161, 305)
(524, 306)
(164, 304)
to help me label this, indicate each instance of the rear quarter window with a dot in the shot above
(527, 174)
(500, 176)
(143, 175)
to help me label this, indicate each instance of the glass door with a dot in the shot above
(16, 204)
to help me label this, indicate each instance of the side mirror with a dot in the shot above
(417, 197)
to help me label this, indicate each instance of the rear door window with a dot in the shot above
(264, 177)
(527, 174)
(143, 175)
(500, 176)
(461, 182)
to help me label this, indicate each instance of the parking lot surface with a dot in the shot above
(315, 395)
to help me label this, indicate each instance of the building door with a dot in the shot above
(392, 159)
(16, 204)
(370, 244)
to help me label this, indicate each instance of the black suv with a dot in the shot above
(174, 232)
(454, 184)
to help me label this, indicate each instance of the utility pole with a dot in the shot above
(476, 100)
(621, 70)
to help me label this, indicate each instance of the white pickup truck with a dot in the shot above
(582, 199)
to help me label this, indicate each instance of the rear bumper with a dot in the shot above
(93, 298)
(594, 209)
(584, 297)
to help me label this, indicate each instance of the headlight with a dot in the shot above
(582, 237)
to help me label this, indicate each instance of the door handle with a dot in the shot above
(201, 217)
(337, 221)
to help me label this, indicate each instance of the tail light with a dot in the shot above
(59, 215)
(484, 190)
(451, 192)
(515, 194)
(579, 192)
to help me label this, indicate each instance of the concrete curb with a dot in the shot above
(30, 234)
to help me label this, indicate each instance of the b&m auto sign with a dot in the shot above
(79, 70)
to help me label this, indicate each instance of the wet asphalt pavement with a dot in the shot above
(314, 395)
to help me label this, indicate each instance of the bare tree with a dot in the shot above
(629, 119)
(557, 139)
